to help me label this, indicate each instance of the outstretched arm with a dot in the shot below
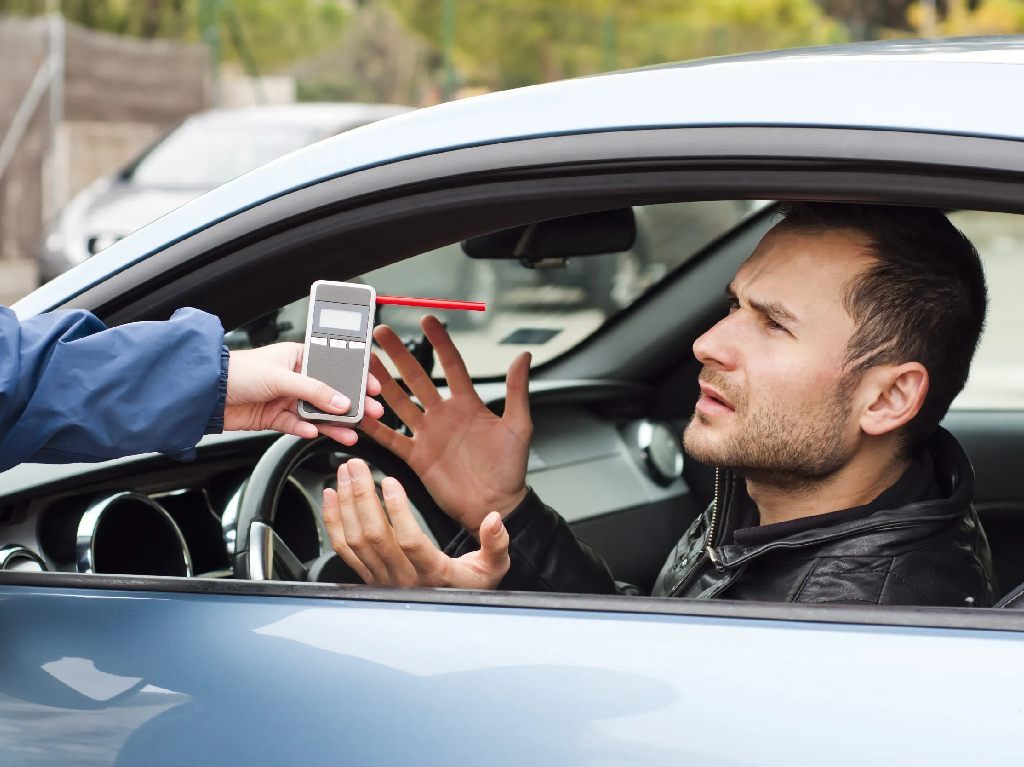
(473, 463)
(72, 389)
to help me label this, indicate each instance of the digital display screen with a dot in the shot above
(341, 319)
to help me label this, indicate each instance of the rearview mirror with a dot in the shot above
(588, 234)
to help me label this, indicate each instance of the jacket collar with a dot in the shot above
(954, 474)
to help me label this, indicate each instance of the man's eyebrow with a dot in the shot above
(771, 309)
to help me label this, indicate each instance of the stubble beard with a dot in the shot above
(776, 444)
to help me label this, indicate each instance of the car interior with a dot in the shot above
(606, 278)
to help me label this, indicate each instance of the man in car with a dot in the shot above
(850, 330)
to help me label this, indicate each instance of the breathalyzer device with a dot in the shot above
(338, 339)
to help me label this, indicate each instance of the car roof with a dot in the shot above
(961, 86)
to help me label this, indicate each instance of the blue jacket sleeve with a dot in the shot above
(72, 389)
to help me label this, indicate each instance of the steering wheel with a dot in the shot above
(261, 554)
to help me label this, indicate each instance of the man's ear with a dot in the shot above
(894, 395)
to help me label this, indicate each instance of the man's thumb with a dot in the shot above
(494, 543)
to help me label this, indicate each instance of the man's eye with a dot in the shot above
(773, 325)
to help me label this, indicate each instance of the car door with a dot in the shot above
(136, 670)
(176, 673)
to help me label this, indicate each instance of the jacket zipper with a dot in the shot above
(709, 547)
(708, 551)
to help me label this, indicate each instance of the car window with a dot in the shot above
(996, 381)
(545, 310)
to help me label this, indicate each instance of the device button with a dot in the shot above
(356, 345)
(318, 341)
(337, 343)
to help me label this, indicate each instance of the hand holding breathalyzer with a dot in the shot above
(338, 340)
(264, 385)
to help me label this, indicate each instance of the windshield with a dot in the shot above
(207, 153)
(546, 311)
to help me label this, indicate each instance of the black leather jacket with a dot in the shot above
(931, 552)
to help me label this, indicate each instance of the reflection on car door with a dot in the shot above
(191, 676)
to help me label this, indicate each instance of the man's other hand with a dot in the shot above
(265, 385)
(399, 553)
(469, 459)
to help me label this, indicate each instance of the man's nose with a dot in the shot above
(716, 348)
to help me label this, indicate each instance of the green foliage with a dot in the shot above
(334, 89)
(136, 18)
(987, 17)
(264, 33)
(505, 43)
(279, 32)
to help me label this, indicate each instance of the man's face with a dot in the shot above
(775, 403)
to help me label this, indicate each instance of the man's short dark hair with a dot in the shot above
(922, 300)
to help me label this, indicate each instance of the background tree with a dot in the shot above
(376, 59)
(506, 43)
(270, 33)
(345, 48)
(968, 17)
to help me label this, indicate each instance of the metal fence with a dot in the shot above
(24, 133)
(74, 105)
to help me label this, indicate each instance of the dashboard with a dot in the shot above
(595, 457)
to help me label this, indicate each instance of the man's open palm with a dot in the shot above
(470, 460)
(391, 549)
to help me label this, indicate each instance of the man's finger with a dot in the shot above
(413, 374)
(517, 395)
(455, 373)
(336, 532)
(395, 395)
(419, 550)
(354, 534)
(494, 543)
(376, 529)
(388, 438)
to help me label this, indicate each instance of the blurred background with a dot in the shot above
(113, 112)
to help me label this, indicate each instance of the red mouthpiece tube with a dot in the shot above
(433, 303)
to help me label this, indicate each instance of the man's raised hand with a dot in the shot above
(398, 553)
(469, 459)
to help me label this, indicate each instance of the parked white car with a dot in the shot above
(202, 152)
